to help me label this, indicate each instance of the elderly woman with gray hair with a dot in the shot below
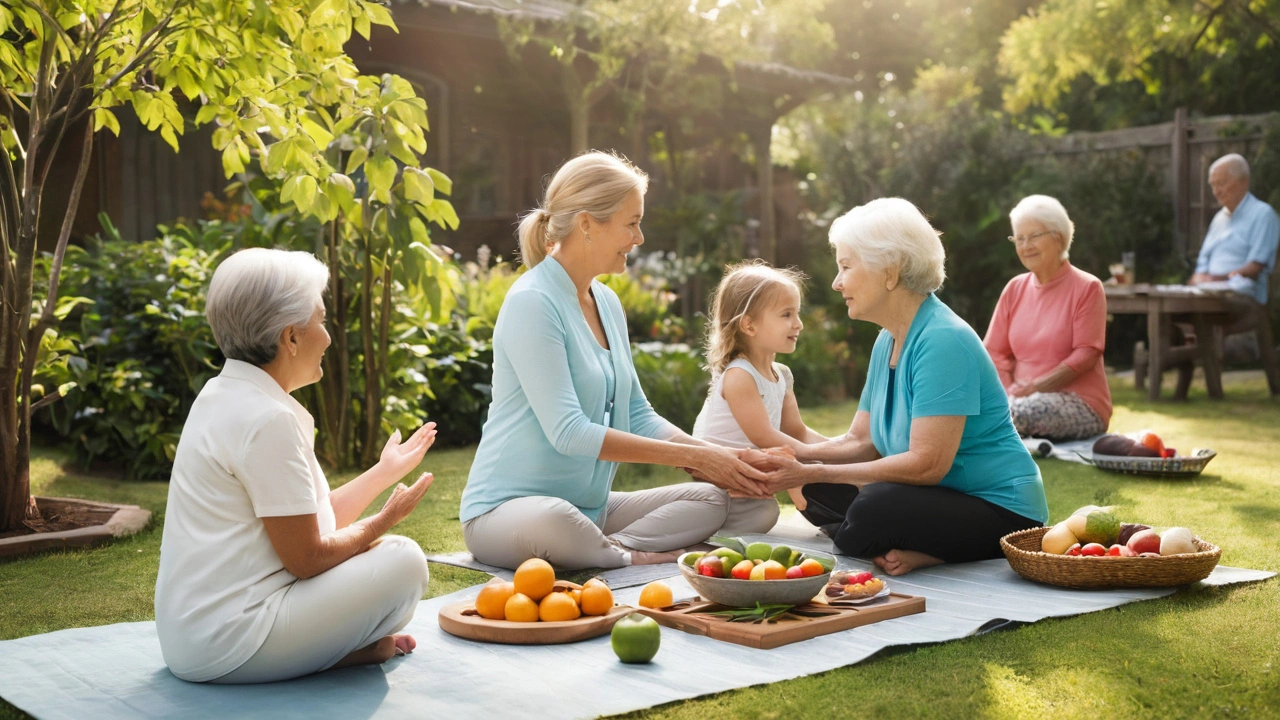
(1049, 330)
(931, 469)
(264, 573)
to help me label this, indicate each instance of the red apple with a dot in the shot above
(1114, 551)
(1169, 452)
(795, 572)
(1093, 550)
(1073, 551)
(711, 566)
(742, 571)
(1145, 541)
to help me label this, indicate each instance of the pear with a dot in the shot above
(1058, 540)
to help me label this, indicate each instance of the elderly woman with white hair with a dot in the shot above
(265, 574)
(931, 469)
(1049, 330)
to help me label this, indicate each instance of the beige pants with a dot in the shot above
(750, 515)
(656, 520)
(345, 608)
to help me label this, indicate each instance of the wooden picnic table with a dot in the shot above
(1160, 303)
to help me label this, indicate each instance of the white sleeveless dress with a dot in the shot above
(715, 424)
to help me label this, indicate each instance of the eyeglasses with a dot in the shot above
(1024, 239)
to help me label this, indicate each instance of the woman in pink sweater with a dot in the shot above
(1049, 330)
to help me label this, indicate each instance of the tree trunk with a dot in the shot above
(762, 138)
(371, 400)
(579, 103)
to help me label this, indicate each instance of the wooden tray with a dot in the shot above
(686, 616)
(461, 619)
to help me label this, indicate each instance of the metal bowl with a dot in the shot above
(746, 593)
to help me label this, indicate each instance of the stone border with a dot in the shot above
(116, 521)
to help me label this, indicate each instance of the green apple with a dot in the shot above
(782, 555)
(759, 551)
(732, 556)
(635, 638)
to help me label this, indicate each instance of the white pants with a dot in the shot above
(656, 520)
(348, 607)
(750, 515)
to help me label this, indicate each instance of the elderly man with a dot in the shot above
(1240, 246)
(1239, 253)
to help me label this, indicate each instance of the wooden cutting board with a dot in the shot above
(461, 619)
(689, 617)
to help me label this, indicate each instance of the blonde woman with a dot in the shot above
(931, 469)
(567, 405)
(755, 316)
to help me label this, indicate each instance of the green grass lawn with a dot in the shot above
(1204, 652)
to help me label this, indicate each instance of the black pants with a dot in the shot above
(947, 524)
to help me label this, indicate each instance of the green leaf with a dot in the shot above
(104, 117)
(381, 171)
(441, 181)
(418, 186)
(305, 194)
(444, 209)
(357, 158)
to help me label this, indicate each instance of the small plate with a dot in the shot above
(843, 600)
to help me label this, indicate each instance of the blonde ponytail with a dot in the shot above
(596, 183)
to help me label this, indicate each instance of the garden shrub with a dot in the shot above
(673, 378)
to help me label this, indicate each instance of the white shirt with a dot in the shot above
(715, 423)
(246, 452)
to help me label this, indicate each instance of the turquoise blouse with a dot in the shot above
(551, 398)
(944, 370)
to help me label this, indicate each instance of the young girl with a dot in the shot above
(755, 314)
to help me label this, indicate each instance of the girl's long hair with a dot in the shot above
(746, 288)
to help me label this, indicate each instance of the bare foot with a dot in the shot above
(639, 557)
(901, 562)
(379, 652)
(797, 498)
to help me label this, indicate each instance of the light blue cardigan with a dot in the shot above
(547, 421)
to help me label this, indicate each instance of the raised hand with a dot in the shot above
(400, 458)
(404, 499)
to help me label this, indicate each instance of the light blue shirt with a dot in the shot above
(555, 393)
(944, 370)
(1234, 239)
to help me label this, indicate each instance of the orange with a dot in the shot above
(774, 570)
(656, 594)
(597, 598)
(491, 603)
(577, 596)
(535, 578)
(520, 608)
(558, 606)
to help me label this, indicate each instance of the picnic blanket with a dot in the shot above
(116, 671)
(1077, 451)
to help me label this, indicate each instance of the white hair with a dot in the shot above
(893, 233)
(1048, 212)
(255, 294)
(1234, 164)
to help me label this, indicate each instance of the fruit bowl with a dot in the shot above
(732, 592)
(1178, 466)
(1022, 548)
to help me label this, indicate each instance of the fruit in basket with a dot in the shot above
(1093, 550)
(1151, 441)
(742, 571)
(491, 603)
(1128, 530)
(732, 556)
(535, 578)
(656, 594)
(1144, 541)
(691, 559)
(558, 607)
(635, 638)
(596, 598)
(1126, 552)
(1098, 526)
(712, 566)
(1121, 445)
(521, 608)
(1177, 541)
(795, 572)
(1058, 540)
(1169, 453)
(1073, 551)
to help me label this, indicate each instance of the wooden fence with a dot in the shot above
(1181, 152)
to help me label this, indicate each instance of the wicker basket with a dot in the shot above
(1022, 548)
(1183, 467)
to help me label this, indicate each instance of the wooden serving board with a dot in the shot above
(689, 617)
(461, 619)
